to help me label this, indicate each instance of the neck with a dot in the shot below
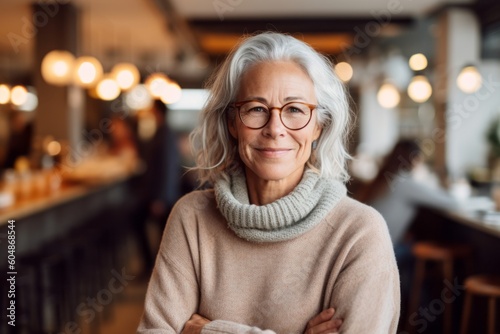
(262, 192)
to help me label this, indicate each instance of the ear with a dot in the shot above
(317, 131)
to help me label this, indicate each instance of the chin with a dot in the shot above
(274, 173)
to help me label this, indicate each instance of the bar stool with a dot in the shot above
(482, 285)
(446, 254)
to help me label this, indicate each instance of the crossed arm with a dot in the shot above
(323, 323)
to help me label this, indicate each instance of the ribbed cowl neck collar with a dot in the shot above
(283, 219)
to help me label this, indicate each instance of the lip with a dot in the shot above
(273, 152)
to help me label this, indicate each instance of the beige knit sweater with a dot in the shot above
(346, 261)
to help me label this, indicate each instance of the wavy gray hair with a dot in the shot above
(214, 148)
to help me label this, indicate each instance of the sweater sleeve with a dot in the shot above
(366, 293)
(222, 326)
(172, 296)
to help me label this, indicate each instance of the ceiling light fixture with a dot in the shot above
(344, 71)
(107, 89)
(88, 71)
(57, 67)
(418, 62)
(173, 93)
(388, 96)
(469, 79)
(157, 84)
(126, 75)
(18, 95)
(419, 89)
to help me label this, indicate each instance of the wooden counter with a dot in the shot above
(44, 220)
(474, 221)
(67, 193)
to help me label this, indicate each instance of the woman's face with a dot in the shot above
(275, 153)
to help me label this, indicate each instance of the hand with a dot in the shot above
(324, 323)
(195, 324)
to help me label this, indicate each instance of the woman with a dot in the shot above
(275, 245)
(396, 193)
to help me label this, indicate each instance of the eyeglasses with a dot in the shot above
(256, 114)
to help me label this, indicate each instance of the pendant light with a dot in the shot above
(138, 98)
(126, 75)
(107, 89)
(88, 71)
(172, 94)
(418, 62)
(344, 71)
(18, 95)
(419, 89)
(57, 67)
(157, 84)
(388, 96)
(469, 79)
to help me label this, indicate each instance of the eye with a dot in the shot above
(296, 108)
(257, 109)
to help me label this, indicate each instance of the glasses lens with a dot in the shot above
(254, 114)
(295, 115)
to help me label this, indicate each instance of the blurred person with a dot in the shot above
(159, 186)
(275, 245)
(122, 143)
(163, 166)
(397, 192)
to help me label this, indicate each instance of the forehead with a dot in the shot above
(276, 79)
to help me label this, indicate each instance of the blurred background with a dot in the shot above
(97, 99)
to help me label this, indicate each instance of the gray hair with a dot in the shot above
(216, 151)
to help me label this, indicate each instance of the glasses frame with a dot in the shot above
(239, 104)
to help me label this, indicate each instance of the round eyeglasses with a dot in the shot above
(256, 114)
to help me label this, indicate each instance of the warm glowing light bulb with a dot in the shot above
(419, 89)
(31, 100)
(88, 71)
(54, 148)
(388, 96)
(344, 71)
(172, 94)
(19, 95)
(4, 94)
(126, 75)
(60, 68)
(469, 80)
(107, 89)
(57, 67)
(418, 62)
(138, 98)
(157, 84)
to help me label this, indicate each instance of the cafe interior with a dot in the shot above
(98, 97)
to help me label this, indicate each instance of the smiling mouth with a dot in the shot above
(273, 153)
(273, 149)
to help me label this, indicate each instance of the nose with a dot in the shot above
(274, 127)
